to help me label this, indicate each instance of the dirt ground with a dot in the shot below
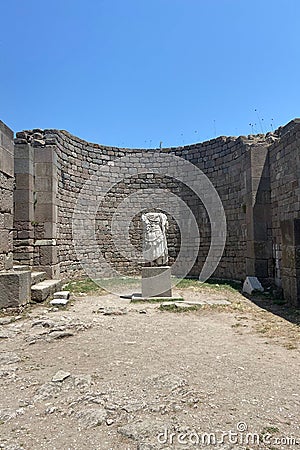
(105, 373)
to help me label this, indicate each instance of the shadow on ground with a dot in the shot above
(276, 306)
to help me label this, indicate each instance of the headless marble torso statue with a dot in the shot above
(155, 247)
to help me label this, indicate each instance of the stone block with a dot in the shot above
(44, 170)
(45, 155)
(24, 151)
(6, 162)
(45, 242)
(45, 184)
(62, 294)
(156, 281)
(7, 132)
(14, 288)
(24, 181)
(6, 150)
(41, 291)
(23, 165)
(48, 255)
(47, 197)
(23, 254)
(6, 261)
(23, 196)
(50, 230)
(23, 212)
(252, 284)
(25, 234)
(37, 277)
(45, 212)
(59, 302)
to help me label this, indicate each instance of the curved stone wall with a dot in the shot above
(256, 178)
(63, 163)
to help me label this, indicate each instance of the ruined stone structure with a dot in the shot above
(14, 284)
(6, 197)
(256, 177)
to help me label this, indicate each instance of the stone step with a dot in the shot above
(41, 291)
(37, 277)
(21, 267)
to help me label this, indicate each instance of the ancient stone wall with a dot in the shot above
(78, 162)
(6, 196)
(35, 219)
(223, 161)
(62, 164)
(284, 165)
(14, 284)
(256, 178)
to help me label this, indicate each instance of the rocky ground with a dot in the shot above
(105, 373)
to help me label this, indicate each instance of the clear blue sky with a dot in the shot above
(136, 72)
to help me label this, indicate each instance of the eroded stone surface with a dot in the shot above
(130, 377)
(61, 375)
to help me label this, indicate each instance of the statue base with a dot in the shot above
(156, 282)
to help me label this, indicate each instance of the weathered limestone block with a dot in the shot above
(14, 288)
(156, 281)
(6, 150)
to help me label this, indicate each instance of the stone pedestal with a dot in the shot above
(14, 288)
(156, 282)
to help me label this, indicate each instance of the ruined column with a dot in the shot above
(45, 210)
(258, 213)
(36, 202)
(24, 202)
(14, 284)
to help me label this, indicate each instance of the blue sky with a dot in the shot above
(136, 72)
